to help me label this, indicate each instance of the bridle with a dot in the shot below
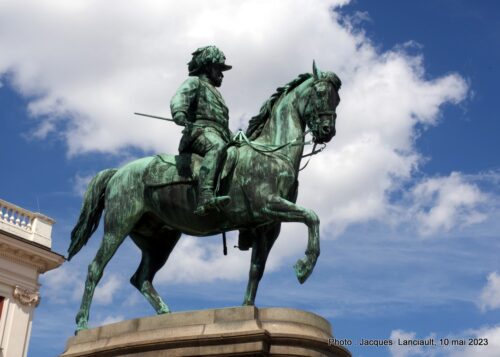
(313, 115)
(311, 120)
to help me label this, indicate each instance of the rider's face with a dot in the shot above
(215, 75)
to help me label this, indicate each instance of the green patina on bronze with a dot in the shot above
(260, 176)
(199, 106)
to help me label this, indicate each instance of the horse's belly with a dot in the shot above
(175, 205)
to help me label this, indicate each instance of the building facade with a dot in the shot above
(25, 253)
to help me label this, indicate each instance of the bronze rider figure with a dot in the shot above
(199, 107)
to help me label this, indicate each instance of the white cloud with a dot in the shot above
(197, 260)
(486, 343)
(490, 295)
(107, 289)
(80, 183)
(444, 203)
(110, 320)
(62, 284)
(492, 176)
(492, 349)
(132, 300)
(356, 19)
(404, 351)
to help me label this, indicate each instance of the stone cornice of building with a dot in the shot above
(28, 253)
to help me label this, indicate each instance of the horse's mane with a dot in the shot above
(256, 124)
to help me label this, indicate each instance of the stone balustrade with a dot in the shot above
(16, 216)
(25, 224)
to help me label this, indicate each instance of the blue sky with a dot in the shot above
(409, 186)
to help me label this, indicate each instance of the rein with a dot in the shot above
(240, 137)
(311, 154)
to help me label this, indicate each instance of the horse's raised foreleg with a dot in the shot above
(155, 252)
(279, 209)
(263, 239)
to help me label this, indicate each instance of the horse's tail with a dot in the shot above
(93, 205)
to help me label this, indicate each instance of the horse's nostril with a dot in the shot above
(326, 129)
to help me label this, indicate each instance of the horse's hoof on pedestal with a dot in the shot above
(81, 328)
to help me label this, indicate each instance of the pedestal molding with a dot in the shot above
(240, 331)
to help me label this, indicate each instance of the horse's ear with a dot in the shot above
(315, 70)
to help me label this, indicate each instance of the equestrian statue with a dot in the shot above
(218, 182)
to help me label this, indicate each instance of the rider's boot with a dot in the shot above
(207, 201)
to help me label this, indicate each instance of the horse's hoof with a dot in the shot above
(301, 271)
(80, 328)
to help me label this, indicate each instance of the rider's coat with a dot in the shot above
(204, 107)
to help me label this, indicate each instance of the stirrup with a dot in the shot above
(213, 203)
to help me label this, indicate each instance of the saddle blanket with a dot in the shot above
(167, 169)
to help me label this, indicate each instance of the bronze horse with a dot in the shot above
(263, 186)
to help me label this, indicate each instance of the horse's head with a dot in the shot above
(320, 110)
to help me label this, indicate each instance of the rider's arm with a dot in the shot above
(184, 99)
(180, 118)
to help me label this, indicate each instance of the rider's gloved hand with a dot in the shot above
(180, 118)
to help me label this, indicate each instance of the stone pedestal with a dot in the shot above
(239, 331)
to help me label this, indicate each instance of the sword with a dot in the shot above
(154, 116)
(186, 124)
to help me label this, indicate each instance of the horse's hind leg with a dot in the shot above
(117, 225)
(155, 252)
(109, 245)
(263, 239)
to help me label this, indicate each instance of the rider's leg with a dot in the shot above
(213, 148)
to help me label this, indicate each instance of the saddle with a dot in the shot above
(167, 169)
